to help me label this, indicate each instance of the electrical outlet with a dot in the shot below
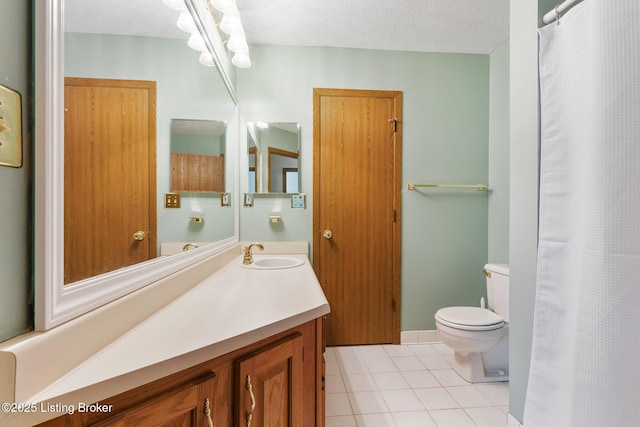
(171, 200)
(299, 201)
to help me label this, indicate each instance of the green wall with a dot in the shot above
(499, 156)
(15, 184)
(445, 139)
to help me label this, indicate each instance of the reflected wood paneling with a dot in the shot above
(196, 173)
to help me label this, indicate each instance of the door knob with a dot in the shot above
(327, 234)
(138, 235)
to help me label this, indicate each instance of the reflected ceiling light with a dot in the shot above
(206, 59)
(241, 60)
(231, 24)
(175, 4)
(185, 22)
(224, 5)
(238, 44)
(196, 42)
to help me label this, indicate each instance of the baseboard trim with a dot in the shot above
(419, 337)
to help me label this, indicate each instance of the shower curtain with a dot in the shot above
(585, 362)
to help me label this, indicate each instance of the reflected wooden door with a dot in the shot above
(109, 175)
(356, 215)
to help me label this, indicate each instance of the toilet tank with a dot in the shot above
(498, 288)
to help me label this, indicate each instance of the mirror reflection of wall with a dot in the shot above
(273, 151)
(138, 52)
(197, 155)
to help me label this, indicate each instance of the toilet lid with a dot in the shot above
(470, 318)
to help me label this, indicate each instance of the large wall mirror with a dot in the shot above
(273, 152)
(119, 90)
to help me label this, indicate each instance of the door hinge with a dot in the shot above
(303, 354)
(395, 215)
(395, 123)
(393, 305)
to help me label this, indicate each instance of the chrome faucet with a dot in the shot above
(189, 246)
(248, 257)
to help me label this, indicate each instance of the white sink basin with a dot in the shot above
(273, 262)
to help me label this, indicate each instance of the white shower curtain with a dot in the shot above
(585, 363)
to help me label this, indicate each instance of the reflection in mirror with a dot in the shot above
(111, 60)
(273, 151)
(136, 73)
(197, 155)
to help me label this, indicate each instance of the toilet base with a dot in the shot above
(472, 368)
(484, 367)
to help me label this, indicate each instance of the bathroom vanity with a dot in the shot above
(281, 378)
(222, 342)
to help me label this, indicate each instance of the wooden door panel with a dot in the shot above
(356, 193)
(273, 380)
(109, 175)
(182, 407)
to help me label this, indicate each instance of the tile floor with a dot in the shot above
(407, 386)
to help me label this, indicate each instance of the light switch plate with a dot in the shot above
(299, 201)
(171, 200)
(248, 200)
(10, 128)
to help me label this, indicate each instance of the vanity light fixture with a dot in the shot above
(231, 25)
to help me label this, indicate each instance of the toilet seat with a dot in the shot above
(470, 318)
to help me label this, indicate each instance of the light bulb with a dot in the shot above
(175, 4)
(241, 60)
(223, 5)
(231, 23)
(185, 22)
(237, 44)
(206, 59)
(196, 42)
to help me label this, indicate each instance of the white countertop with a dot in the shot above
(231, 308)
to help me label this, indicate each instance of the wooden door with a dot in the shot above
(109, 175)
(356, 214)
(270, 386)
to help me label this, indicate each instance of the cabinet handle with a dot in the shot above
(207, 412)
(253, 401)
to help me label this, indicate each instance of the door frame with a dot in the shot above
(396, 96)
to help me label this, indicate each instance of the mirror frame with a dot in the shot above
(54, 302)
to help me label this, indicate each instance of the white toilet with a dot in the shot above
(480, 336)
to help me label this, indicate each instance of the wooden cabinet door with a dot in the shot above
(270, 386)
(186, 406)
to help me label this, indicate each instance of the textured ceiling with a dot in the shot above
(467, 26)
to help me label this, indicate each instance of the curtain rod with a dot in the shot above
(557, 11)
